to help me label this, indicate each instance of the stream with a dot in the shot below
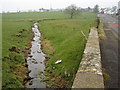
(35, 62)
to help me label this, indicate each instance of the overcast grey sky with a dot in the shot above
(11, 5)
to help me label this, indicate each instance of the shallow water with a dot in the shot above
(35, 61)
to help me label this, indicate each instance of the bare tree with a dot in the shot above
(72, 10)
(88, 8)
(96, 9)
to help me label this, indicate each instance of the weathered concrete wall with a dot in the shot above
(89, 74)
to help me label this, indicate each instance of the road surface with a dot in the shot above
(109, 51)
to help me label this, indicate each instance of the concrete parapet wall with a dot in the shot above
(89, 74)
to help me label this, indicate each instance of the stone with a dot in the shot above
(69, 75)
(94, 69)
(38, 51)
(35, 62)
(28, 78)
(26, 65)
(29, 71)
(30, 56)
(41, 62)
(53, 67)
(29, 53)
(30, 83)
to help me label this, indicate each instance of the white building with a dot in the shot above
(119, 5)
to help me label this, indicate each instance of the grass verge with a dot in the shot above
(101, 32)
(63, 40)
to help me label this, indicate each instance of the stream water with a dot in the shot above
(35, 61)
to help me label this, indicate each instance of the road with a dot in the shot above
(109, 51)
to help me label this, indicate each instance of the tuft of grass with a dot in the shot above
(101, 32)
(106, 76)
(68, 42)
(46, 47)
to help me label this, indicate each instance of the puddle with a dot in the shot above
(35, 61)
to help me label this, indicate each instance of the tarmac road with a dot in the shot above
(109, 50)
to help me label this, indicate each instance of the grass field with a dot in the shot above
(13, 24)
(13, 60)
(33, 16)
(62, 39)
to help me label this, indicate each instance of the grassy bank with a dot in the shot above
(63, 40)
(101, 32)
(16, 35)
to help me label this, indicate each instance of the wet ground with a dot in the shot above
(35, 61)
(109, 50)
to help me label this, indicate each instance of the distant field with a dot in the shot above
(63, 38)
(29, 16)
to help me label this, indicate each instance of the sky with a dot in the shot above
(13, 5)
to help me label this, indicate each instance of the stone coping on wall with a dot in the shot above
(89, 74)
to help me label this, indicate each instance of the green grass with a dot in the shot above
(101, 32)
(12, 24)
(67, 42)
(62, 38)
(29, 16)
(10, 30)
(13, 60)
